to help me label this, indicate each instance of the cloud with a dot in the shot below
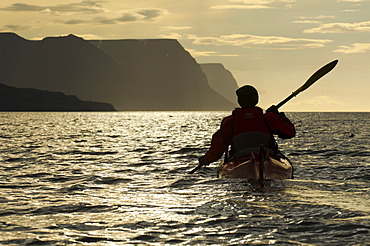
(48, 11)
(307, 22)
(318, 101)
(142, 14)
(171, 35)
(340, 28)
(14, 28)
(353, 1)
(235, 6)
(357, 5)
(149, 14)
(255, 4)
(88, 36)
(75, 22)
(176, 28)
(351, 10)
(254, 41)
(133, 15)
(319, 17)
(262, 2)
(313, 19)
(86, 6)
(196, 53)
(171, 32)
(23, 7)
(355, 48)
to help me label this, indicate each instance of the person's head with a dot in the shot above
(247, 96)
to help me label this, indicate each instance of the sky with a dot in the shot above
(274, 45)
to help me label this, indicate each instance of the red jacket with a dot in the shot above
(247, 120)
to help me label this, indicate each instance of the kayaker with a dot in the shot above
(247, 128)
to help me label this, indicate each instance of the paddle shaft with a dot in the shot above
(196, 168)
(285, 100)
(314, 77)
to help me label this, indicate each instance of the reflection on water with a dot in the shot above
(121, 178)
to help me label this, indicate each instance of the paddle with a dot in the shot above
(314, 77)
(196, 168)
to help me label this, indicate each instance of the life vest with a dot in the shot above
(250, 131)
(249, 120)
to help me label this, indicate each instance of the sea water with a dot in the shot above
(122, 178)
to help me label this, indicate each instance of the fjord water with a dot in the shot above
(121, 179)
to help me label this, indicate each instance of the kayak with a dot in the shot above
(259, 165)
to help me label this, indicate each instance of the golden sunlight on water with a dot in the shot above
(122, 179)
(307, 191)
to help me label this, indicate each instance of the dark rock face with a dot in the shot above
(67, 64)
(221, 80)
(22, 99)
(130, 74)
(164, 75)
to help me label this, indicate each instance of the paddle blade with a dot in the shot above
(316, 76)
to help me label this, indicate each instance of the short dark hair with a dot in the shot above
(247, 96)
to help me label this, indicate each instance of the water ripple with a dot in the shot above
(122, 179)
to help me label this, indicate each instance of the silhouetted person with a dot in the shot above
(247, 128)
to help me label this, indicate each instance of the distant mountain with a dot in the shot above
(166, 76)
(130, 74)
(221, 80)
(67, 64)
(23, 99)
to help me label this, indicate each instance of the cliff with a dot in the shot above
(67, 64)
(165, 76)
(130, 74)
(221, 80)
(23, 99)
